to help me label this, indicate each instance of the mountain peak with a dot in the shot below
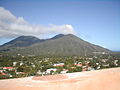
(25, 38)
(22, 41)
(71, 35)
(60, 45)
(58, 36)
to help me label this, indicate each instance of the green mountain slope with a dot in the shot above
(60, 45)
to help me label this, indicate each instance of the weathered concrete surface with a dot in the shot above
(107, 79)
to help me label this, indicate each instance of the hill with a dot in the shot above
(22, 41)
(60, 45)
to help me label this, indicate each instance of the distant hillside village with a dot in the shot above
(24, 66)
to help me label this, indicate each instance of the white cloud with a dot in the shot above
(12, 26)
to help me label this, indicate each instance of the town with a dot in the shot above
(24, 66)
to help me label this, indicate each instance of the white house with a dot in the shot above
(51, 69)
(14, 63)
(59, 64)
(64, 71)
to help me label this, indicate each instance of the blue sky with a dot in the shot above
(96, 21)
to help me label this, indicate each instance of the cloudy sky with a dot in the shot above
(96, 21)
(12, 26)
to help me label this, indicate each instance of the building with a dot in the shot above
(58, 64)
(48, 71)
(8, 68)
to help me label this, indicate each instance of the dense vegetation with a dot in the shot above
(23, 66)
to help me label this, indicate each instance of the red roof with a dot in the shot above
(3, 74)
(78, 64)
(60, 65)
(8, 68)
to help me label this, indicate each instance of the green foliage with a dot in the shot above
(4, 77)
(31, 65)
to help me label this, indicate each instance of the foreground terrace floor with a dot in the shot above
(107, 79)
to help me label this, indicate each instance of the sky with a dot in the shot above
(95, 21)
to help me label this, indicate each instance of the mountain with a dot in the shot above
(58, 36)
(60, 45)
(22, 41)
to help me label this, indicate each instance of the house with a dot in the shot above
(90, 68)
(1, 71)
(98, 67)
(116, 62)
(14, 63)
(21, 63)
(72, 67)
(64, 71)
(3, 74)
(84, 68)
(20, 72)
(105, 65)
(8, 68)
(104, 60)
(87, 62)
(23, 56)
(97, 63)
(33, 65)
(48, 71)
(89, 58)
(39, 72)
(10, 75)
(46, 59)
(78, 64)
(18, 54)
(59, 64)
